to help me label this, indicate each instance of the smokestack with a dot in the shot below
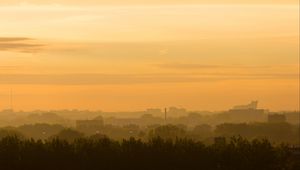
(165, 115)
(11, 100)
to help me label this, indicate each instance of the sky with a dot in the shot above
(131, 55)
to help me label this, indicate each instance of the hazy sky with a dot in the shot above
(118, 2)
(131, 55)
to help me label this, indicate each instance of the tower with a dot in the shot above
(165, 115)
(11, 100)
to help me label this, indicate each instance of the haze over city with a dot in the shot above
(132, 55)
(149, 85)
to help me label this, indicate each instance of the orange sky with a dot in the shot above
(135, 55)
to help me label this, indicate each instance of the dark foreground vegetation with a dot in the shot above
(155, 154)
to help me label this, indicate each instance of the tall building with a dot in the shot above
(246, 113)
(252, 105)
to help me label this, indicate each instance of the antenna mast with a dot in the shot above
(165, 115)
(11, 100)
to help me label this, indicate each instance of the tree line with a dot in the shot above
(274, 132)
(155, 154)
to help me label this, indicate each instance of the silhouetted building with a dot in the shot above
(147, 116)
(177, 112)
(90, 126)
(7, 111)
(246, 113)
(276, 118)
(156, 112)
(252, 105)
(100, 118)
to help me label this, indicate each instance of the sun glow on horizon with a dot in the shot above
(134, 56)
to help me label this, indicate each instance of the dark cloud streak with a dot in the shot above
(19, 44)
(9, 39)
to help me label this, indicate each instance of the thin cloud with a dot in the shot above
(19, 44)
(98, 79)
(8, 67)
(101, 2)
(9, 39)
(188, 66)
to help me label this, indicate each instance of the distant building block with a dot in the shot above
(276, 118)
(89, 124)
(252, 105)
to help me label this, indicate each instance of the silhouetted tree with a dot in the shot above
(156, 154)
